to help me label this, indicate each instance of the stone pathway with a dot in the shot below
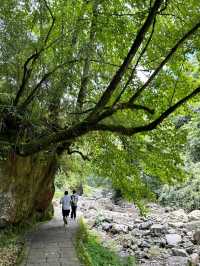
(52, 245)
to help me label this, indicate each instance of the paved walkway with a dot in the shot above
(52, 245)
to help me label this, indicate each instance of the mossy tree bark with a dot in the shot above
(27, 186)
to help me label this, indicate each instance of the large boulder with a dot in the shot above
(194, 215)
(179, 216)
(173, 239)
(193, 225)
(177, 261)
(26, 187)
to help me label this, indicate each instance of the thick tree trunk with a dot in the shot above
(26, 187)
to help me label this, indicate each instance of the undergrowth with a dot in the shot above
(91, 252)
(12, 244)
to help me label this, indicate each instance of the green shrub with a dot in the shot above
(92, 253)
(186, 196)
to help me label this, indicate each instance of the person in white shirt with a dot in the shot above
(66, 204)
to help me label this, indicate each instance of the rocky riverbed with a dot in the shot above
(164, 237)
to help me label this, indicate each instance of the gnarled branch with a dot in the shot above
(152, 125)
(132, 52)
(166, 59)
(72, 133)
(135, 67)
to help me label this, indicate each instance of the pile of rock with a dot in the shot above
(164, 237)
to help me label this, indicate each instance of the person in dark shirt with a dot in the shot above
(74, 201)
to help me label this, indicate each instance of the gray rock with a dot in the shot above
(92, 207)
(145, 233)
(179, 252)
(171, 231)
(145, 244)
(136, 232)
(190, 249)
(157, 229)
(137, 221)
(134, 247)
(193, 225)
(176, 225)
(179, 215)
(189, 234)
(188, 246)
(106, 226)
(119, 228)
(160, 241)
(173, 239)
(145, 225)
(194, 215)
(177, 261)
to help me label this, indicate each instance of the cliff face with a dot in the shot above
(26, 187)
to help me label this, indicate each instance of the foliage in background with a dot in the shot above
(92, 252)
(187, 195)
(73, 172)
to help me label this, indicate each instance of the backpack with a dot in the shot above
(74, 200)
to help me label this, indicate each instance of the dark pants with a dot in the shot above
(65, 213)
(73, 212)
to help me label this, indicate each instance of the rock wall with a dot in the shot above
(26, 186)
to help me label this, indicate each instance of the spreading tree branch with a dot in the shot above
(152, 125)
(82, 128)
(132, 52)
(26, 75)
(164, 62)
(138, 60)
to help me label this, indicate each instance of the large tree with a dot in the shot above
(69, 68)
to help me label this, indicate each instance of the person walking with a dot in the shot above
(74, 201)
(65, 201)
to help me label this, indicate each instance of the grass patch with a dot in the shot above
(12, 244)
(92, 253)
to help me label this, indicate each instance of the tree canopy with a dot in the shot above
(69, 68)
